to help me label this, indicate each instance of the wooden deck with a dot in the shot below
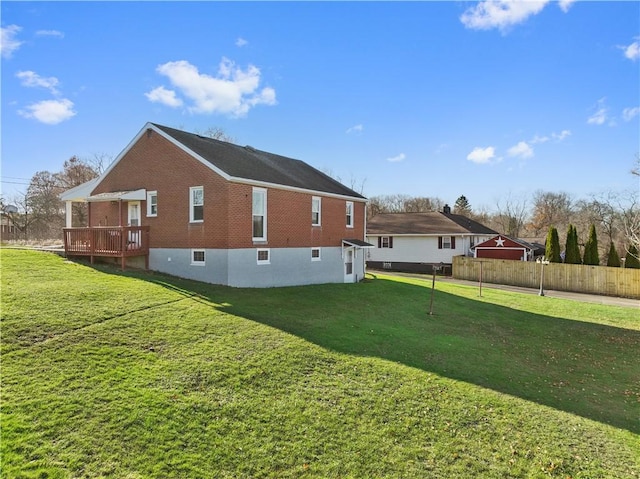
(108, 241)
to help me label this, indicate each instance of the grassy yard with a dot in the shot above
(138, 375)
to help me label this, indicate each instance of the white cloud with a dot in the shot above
(397, 158)
(50, 33)
(561, 136)
(565, 5)
(539, 139)
(241, 42)
(629, 114)
(521, 150)
(50, 112)
(482, 155)
(600, 116)
(500, 14)
(164, 96)
(632, 51)
(32, 79)
(8, 41)
(356, 128)
(233, 91)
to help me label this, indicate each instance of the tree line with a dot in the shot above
(39, 214)
(612, 216)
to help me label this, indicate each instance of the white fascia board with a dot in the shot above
(426, 235)
(247, 181)
(121, 155)
(189, 151)
(276, 186)
(80, 192)
(208, 164)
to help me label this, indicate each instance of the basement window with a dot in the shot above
(197, 257)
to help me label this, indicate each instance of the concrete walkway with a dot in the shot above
(587, 298)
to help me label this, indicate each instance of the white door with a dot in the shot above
(134, 213)
(135, 237)
(348, 265)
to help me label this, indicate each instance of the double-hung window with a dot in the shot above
(259, 212)
(349, 214)
(196, 204)
(152, 203)
(316, 210)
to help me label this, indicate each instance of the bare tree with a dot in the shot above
(400, 203)
(511, 215)
(550, 209)
(217, 133)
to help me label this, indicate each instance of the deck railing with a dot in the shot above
(110, 241)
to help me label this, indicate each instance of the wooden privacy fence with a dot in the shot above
(622, 282)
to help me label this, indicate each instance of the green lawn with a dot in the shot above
(139, 375)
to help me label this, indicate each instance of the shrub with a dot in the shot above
(613, 259)
(552, 251)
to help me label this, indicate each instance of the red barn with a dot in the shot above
(504, 247)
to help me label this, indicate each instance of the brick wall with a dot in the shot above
(154, 163)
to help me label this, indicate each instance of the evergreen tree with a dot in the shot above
(552, 252)
(612, 258)
(591, 255)
(631, 259)
(462, 206)
(572, 250)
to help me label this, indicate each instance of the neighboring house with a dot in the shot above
(504, 247)
(8, 230)
(209, 210)
(418, 241)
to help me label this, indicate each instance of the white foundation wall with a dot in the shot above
(240, 268)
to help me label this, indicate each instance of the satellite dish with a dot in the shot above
(10, 209)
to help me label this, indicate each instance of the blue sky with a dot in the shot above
(489, 99)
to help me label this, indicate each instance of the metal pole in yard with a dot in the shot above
(433, 285)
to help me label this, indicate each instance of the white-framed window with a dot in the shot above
(349, 214)
(316, 254)
(259, 212)
(196, 204)
(316, 210)
(446, 242)
(263, 256)
(386, 242)
(197, 257)
(152, 203)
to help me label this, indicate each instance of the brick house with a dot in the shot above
(209, 210)
(415, 242)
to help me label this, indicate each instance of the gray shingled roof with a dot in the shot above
(432, 223)
(249, 163)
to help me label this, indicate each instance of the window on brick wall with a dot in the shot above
(316, 207)
(259, 209)
(152, 203)
(196, 204)
(349, 214)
